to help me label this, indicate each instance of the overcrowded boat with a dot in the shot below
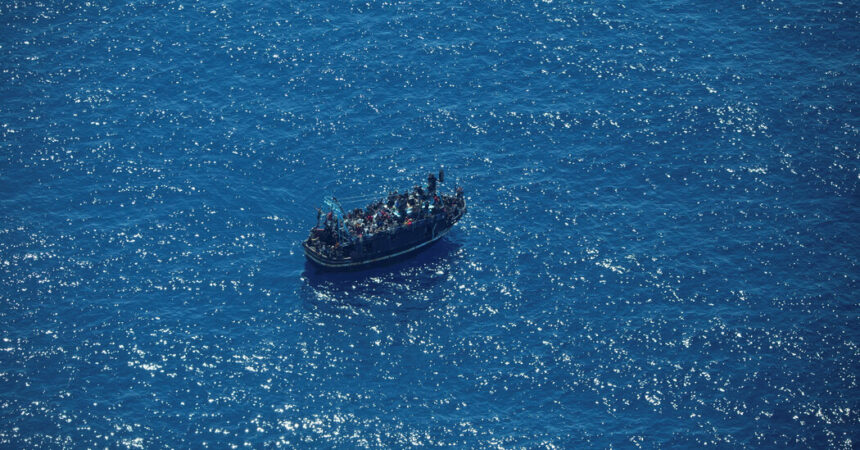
(386, 228)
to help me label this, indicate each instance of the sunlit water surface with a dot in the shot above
(661, 247)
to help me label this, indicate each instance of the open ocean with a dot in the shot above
(661, 249)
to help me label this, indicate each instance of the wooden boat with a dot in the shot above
(385, 229)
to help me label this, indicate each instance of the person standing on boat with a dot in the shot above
(431, 184)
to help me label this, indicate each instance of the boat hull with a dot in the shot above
(387, 245)
(348, 263)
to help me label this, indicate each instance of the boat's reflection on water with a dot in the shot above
(417, 271)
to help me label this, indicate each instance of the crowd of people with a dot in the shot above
(399, 209)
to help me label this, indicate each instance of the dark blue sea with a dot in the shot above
(661, 248)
